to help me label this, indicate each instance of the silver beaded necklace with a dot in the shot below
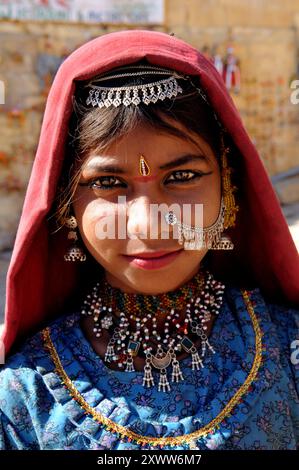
(160, 350)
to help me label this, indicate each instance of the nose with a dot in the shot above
(141, 221)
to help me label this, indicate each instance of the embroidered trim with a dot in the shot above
(187, 439)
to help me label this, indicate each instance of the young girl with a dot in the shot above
(129, 327)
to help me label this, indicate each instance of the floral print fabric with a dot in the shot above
(37, 411)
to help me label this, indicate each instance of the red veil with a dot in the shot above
(39, 281)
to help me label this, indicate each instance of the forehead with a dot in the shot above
(155, 144)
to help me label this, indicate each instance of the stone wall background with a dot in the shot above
(265, 38)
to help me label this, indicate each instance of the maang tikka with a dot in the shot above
(211, 237)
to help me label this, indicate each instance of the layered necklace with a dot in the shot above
(131, 321)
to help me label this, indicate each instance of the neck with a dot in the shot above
(157, 303)
(136, 324)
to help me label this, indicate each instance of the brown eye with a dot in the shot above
(184, 176)
(104, 182)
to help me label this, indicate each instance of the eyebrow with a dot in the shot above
(182, 160)
(189, 157)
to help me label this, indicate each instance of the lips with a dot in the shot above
(151, 254)
(153, 260)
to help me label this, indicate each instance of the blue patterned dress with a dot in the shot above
(37, 410)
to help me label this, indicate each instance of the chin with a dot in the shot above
(152, 282)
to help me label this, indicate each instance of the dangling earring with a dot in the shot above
(228, 189)
(74, 253)
(230, 207)
(211, 237)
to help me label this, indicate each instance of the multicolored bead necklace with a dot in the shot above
(131, 320)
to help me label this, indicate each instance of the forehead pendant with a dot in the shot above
(144, 168)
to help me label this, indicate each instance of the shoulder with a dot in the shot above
(32, 351)
(286, 322)
(283, 316)
(280, 318)
(25, 390)
(21, 366)
(32, 357)
(22, 375)
(280, 323)
(20, 385)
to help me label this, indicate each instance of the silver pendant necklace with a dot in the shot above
(134, 329)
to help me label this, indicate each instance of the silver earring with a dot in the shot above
(197, 238)
(75, 252)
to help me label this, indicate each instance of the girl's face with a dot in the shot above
(197, 180)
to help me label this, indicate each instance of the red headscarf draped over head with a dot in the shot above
(39, 281)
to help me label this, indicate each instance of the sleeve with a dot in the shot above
(9, 438)
(17, 421)
(287, 327)
(287, 324)
(30, 416)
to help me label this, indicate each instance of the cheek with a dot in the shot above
(89, 211)
(98, 217)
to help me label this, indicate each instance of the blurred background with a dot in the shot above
(254, 44)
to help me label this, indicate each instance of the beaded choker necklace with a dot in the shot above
(131, 320)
